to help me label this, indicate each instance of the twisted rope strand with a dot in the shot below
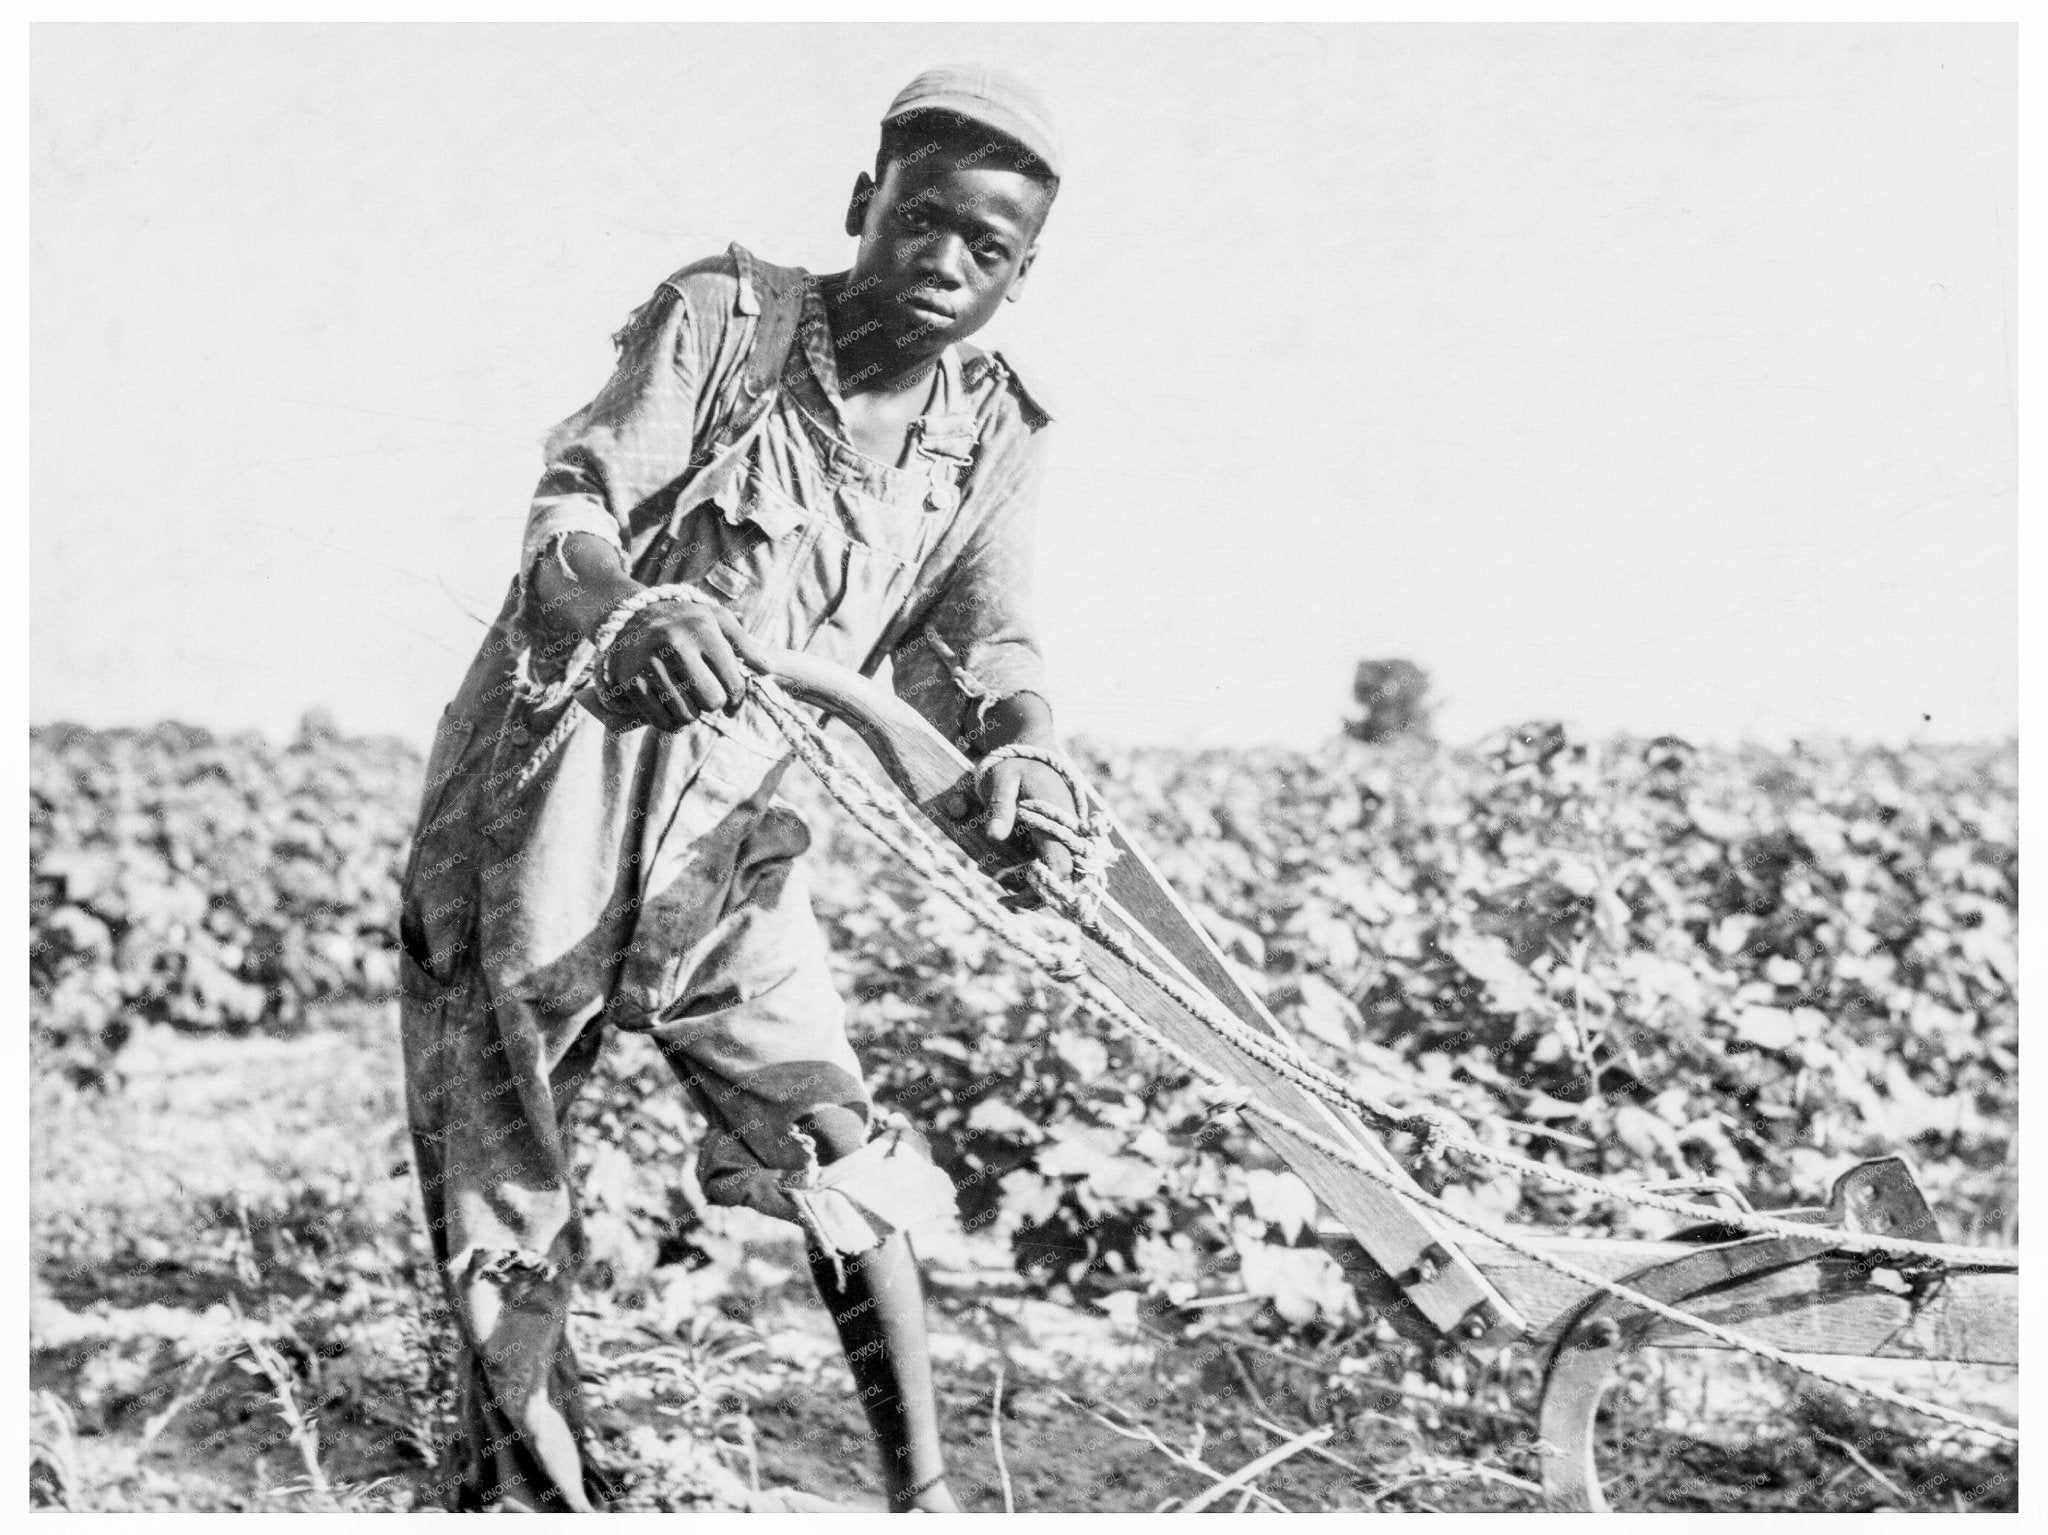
(1443, 1131)
(591, 657)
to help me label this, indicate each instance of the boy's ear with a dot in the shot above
(864, 190)
(1016, 289)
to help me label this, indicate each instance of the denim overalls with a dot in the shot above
(568, 875)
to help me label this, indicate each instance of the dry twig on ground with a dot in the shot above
(1145, 1435)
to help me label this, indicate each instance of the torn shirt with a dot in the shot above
(552, 831)
(945, 597)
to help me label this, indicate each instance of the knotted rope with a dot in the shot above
(1086, 838)
(587, 668)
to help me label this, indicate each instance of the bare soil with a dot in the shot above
(238, 1201)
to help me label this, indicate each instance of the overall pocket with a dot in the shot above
(444, 760)
(871, 583)
(870, 559)
(738, 561)
(437, 893)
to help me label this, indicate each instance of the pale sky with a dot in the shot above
(1658, 379)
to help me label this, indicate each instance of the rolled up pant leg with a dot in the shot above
(758, 1031)
(759, 1035)
(488, 1090)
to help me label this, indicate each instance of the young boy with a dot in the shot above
(818, 463)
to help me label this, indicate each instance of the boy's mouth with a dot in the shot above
(924, 302)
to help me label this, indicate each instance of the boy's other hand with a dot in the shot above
(1019, 778)
(678, 660)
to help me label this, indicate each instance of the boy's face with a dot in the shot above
(942, 244)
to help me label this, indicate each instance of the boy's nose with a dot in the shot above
(942, 267)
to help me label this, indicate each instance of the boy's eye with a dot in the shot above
(911, 216)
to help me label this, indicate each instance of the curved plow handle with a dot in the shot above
(927, 767)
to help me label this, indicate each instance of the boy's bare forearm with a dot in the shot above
(579, 603)
(1022, 719)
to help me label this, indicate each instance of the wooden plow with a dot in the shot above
(1809, 1282)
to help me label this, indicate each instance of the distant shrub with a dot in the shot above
(1395, 697)
(211, 884)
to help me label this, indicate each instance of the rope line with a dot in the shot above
(1438, 1128)
(919, 848)
(1442, 1131)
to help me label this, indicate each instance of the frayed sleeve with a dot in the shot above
(635, 440)
(976, 645)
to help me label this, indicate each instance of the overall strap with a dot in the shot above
(769, 302)
(978, 367)
(774, 297)
(987, 381)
